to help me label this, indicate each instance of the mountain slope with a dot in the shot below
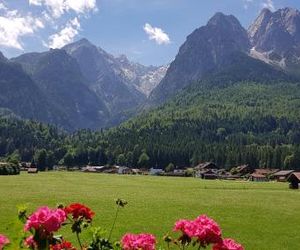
(21, 95)
(59, 77)
(204, 52)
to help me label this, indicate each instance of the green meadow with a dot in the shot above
(261, 216)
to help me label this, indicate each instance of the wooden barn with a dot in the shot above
(294, 180)
(258, 177)
(283, 175)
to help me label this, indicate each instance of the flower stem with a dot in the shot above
(114, 223)
(77, 235)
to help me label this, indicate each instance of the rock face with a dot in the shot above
(275, 38)
(142, 78)
(204, 52)
(121, 84)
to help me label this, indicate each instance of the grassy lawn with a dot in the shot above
(258, 215)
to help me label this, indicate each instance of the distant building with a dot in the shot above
(283, 175)
(294, 180)
(205, 166)
(209, 174)
(266, 171)
(204, 169)
(32, 170)
(262, 174)
(124, 170)
(156, 171)
(94, 169)
(243, 169)
(258, 177)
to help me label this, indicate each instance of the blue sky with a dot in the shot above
(147, 31)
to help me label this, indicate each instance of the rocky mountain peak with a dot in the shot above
(275, 38)
(205, 51)
(224, 21)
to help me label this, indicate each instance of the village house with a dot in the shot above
(124, 170)
(243, 170)
(282, 175)
(209, 174)
(32, 169)
(93, 169)
(206, 165)
(156, 171)
(206, 169)
(294, 180)
(262, 174)
(258, 177)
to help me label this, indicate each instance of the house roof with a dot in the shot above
(265, 171)
(295, 175)
(205, 165)
(284, 173)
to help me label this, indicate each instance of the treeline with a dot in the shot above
(245, 123)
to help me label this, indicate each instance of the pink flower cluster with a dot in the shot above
(227, 244)
(3, 241)
(49, 220)
(206, 230)
(138, 242)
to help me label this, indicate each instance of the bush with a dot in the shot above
(9, 169)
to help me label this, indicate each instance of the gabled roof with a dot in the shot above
(265, 171)
(284, 173)
(205, 165)
(295, 175)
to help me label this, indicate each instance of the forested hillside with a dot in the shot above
(246, 122)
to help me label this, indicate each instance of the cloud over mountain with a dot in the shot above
(156, 34)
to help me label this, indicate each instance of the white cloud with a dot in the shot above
(269, 4)
(66, 35)
(13, 27)
(156, 34)
(58, 7)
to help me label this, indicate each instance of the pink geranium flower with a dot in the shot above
(3, 241)
(47, 219)
(228, 244)
(204, 229)
(208, 231)
(138, 242)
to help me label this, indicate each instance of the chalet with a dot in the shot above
(156, 171)
(294, 180)
(209, 174)
(205, 166)
(94, 169)
(258, 177)
(283, 175)
(262, 174)
(137, 171)
(124, 170)
(243, 169)
(266, 171)
(32, 170)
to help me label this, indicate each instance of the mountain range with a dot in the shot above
(83, 86)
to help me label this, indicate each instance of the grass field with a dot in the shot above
(261, 216)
